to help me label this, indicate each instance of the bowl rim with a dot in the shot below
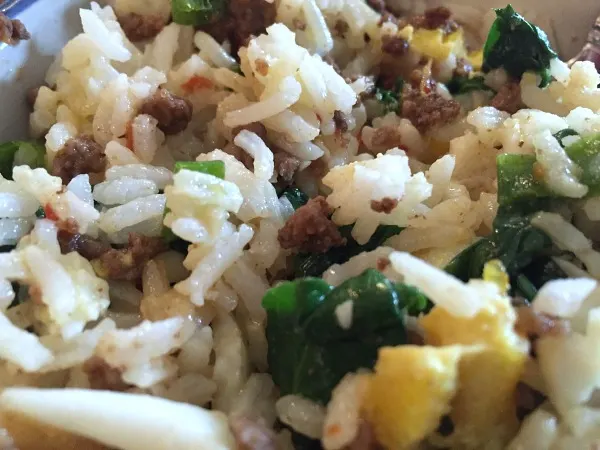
(13, 7)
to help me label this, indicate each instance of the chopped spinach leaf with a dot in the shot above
(296, 197)
(391, 99)
(518, 46)
(197, 12)
(525, 287)
(314, 264)
(14, 153)
(463, 84)
(310, 350)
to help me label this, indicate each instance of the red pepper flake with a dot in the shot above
(129, 135)
(50, 213)
(195, 83)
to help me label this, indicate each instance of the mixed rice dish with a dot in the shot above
(302, 224)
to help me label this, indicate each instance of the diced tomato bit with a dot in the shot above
(195, 83)
(129, 135)
(50, 213)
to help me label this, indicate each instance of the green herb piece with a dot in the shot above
(391, 99)
(14, 153)
(515, 242)
(314, 264)
(214, 168)
(296, 197)
(586, 154)
(310, 351)
(516, 179)
(237, 69)
(525, 287)
(518, 46)
(559, 136)
(463, 84)
(197, 12)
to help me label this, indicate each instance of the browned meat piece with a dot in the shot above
(172, 112)
(309, 229)
(85, 245)
(439, 17)
(138, 27)
(383, 263)
(255, 127)
(127, 263)
(508, 98)
(427, 111)
(377, 5)
(341, 121)
(341, 27)
(102, 376)
(387, 137)
(385, 205)
(243, 18)
(394, 45)
(79, 155)
(286, 165)
(532, 325)
(239, 153)
(251, 435)
(12, 31)
(528, 400)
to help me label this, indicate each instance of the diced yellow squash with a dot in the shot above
(483, 410)
(409, 392)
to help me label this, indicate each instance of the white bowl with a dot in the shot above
(53, 22)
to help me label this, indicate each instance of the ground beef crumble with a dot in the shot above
(385, 205)
(286, 165)
(128, 263)
(243, 19)
(394, 45)
(87, 246)
(79, 155)
(341, 121)
(251, 435)
(532, 325)
(427, 111)
(12, 31)
(101, 376)
(439, 17)
(383, 263)
(309, 229)
(138, 27)
(172, 112)
(508, 98)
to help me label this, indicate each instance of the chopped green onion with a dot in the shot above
(197, 12)
(14, 153)
(214, 168)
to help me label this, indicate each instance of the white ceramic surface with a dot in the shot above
(53, 22)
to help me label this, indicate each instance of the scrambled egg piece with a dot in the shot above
(439, 46)
(410, 391)
(483, 410)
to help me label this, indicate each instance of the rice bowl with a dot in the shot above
(279, 224)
